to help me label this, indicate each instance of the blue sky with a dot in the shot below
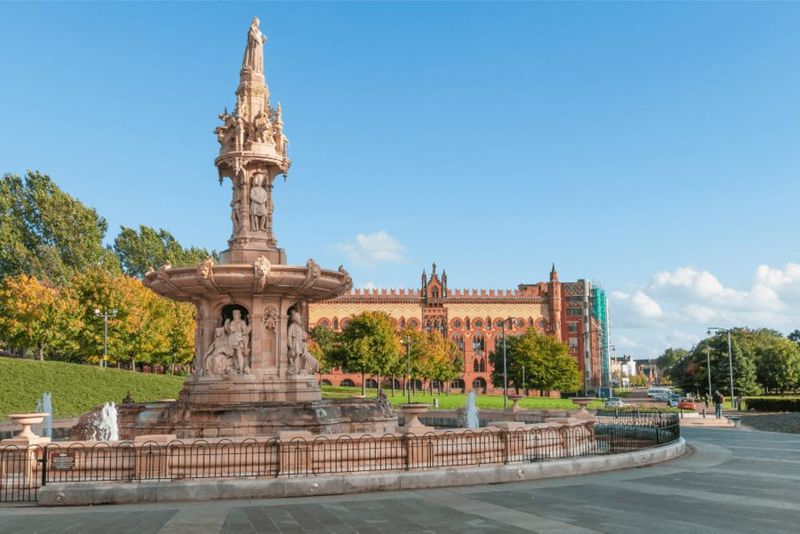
(651, 147)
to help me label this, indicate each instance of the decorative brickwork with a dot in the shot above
(470, 318)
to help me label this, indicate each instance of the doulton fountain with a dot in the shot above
(253, 373)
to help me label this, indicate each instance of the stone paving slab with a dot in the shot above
(726, 485)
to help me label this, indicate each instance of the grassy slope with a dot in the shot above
(76, 389)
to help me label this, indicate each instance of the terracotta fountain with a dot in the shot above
(253, 373)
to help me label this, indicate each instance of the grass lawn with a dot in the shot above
(454, 400)
(76, 389)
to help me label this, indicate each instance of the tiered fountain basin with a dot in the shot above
(287, 281)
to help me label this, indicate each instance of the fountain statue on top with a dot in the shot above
(253, 374)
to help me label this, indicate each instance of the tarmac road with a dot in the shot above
(731, 481)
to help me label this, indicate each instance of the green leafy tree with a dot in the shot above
(548, 365)
(35, 316)
(46, 233)
(445, 359)
(670, 357)
(326, 347)
(777, 365)
(794, 336)
(369, 345)
(137, 251)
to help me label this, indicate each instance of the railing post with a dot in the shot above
(44, 466)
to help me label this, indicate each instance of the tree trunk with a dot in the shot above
(40, 352)
(363, 385)
(393, 385)
(380, 386)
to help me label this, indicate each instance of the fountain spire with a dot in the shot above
(252, 154)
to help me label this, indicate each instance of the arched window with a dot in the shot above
(435, 293)
(483, 365)
(402, 322)
(324, 323)
(459, 341)
(371, 383)
(479, 384)
(336, 323)
(457, 384)
(413, 323)
(326, 382)
(347, 383)
(478, 344)
(476, 365)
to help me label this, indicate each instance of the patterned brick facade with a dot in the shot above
(473, 319)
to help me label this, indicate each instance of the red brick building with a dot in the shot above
(473, 318)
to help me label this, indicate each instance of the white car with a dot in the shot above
(614, 402)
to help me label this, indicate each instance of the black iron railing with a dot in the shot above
(24, 470)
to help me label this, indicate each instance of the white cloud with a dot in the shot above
(676, 307)
(635, 310)
(369, 285)
(374, 248)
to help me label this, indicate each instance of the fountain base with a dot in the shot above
(263, 418)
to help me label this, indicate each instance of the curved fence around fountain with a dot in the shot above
(23, 470)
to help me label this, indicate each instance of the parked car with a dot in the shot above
(614, 402)
(673, 401)
(687, 404)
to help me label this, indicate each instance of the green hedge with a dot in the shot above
(773, 405)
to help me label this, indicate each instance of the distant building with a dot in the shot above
(473, 319)
(650, 371)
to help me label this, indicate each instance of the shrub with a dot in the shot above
(773, 405)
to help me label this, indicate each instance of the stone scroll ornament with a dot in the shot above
(301, 362)
(261, 268)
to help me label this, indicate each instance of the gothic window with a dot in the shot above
(336, 323)
(483, 365)
(530, 321)
(456, 323)
(413, 323)
(428, 325)
(435, 293)
(476, 366)
(477, 323)
(466, 324)
(459, 341)
(343, 323)
(519, 323)
(478, 344)
(324, 323)
(402, 322)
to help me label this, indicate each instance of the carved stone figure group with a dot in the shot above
(230, 350)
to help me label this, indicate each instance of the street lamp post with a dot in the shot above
(408, 367)
(105, 314)
(505, 366)
(708, 368)
(730, 356)
(524, 390)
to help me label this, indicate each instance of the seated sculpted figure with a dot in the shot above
(300, 360)
(218, 359)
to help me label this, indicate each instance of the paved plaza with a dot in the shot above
(731, 481)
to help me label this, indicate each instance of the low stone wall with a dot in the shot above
(281, 487)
